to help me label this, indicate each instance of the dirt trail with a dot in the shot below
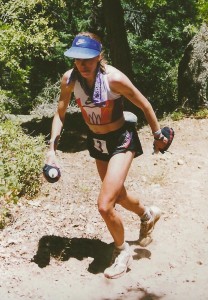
(58, 246)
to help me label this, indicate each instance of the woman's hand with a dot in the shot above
(163, 139)
(160, 143)
(51, 159)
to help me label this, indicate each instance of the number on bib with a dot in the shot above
(100, 145)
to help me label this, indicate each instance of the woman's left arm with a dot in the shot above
(121, 84)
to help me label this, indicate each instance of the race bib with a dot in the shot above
(100, 145)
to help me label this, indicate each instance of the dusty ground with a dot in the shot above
(57, 246)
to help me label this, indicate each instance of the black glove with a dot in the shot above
(51, 173)
(169, 134)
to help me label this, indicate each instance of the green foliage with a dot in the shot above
(21, 162)
(201, 114)
(5, 216)
(3, 110)
(177, 115)
(6, 104)
(152, 3)
(158, 37)
(181, 113)
(28, 39)
(202, 6)
(49, 94)
(46, 101)
(35, 33)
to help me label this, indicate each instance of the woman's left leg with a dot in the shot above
(113, 191)
(113, 175)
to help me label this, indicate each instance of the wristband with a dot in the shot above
(158, 132)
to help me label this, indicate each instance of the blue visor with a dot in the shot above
(84, 47)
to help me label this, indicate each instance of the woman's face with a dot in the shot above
(87, 67)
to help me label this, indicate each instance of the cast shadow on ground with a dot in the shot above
(63, 249)
(142, 293)
(74, 133)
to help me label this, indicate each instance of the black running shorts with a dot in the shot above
(104, 146)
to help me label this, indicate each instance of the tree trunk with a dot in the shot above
(119, 48)
(118, 43)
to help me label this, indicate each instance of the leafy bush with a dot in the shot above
(202, 7)
(28, 46)
(201, 114)
(21, 161)
(46, 102)
(182, 112)
(158, 33)
(177, 115)
(6, 104)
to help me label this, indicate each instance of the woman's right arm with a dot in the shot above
(58, 120)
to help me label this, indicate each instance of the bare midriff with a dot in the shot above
(105, 128)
